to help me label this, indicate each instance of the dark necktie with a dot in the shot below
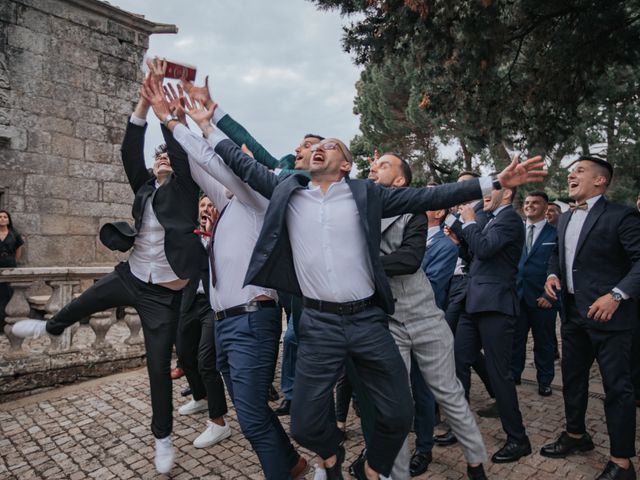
(530, 237)
(212, 263)
(578, 206)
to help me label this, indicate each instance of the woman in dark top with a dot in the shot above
(10, 252)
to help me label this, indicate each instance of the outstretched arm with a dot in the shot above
(407, 258)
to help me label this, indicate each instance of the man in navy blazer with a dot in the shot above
(537, 311)
(492, 306)
(595, 270)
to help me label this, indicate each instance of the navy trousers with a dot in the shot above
(493, 332)
(542, 323)
(325, 341)
(289, 354)
(425, 415)
(245, 347)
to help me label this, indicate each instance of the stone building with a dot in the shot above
(69, 76)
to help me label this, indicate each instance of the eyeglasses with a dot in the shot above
(327, 146)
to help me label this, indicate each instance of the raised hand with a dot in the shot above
(198, 94)
(176, 102)
(200, 114)
(157, 69)
(529, 171)
(154, 94)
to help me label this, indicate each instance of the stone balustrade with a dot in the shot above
(103, 344)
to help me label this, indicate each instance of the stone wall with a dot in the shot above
(69, 76)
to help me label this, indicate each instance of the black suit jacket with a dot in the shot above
(175, 202)
(272, 260)
(607, 256)
(496, 252)
(190, 291)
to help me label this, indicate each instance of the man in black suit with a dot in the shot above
(596, 272)
(491, 309)
(321, 240)
(166, 254)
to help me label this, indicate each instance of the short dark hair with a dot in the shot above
(468, 172)
(554, 204)
(539, 193)
(313, 135)
(160, 149)
(405, 168)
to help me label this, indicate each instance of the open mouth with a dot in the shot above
(573, 184)
(318, 157)
(299, 158)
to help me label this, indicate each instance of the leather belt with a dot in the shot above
(248, 307)
(346, 308)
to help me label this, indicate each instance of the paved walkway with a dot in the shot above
(100, 429)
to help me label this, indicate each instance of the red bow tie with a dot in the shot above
(202, 233)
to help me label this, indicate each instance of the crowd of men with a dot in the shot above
(396, 291)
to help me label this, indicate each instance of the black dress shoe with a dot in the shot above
(566, 445)
(476, 473)
(511, 452)
(335, 472)
(544, 390)
(419, 463)
(446, 439)
(186, 392)
(274, 396)
(615, 472)
(490, 412)
(356, 469)
(284, 408)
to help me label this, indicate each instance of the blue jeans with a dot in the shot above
(245, 347)
(289, 353)
(425, 411)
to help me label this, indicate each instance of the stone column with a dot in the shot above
(132, 320)
(17, 309)
(62, 293)
(100, 323)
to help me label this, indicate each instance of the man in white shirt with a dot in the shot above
(595, 270)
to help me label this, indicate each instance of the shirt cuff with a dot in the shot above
(624, 295)
(552, 275)
(141, 122)
(216, 137)
(180, 131)
(486, 185)
(466, 224)
(218, 114)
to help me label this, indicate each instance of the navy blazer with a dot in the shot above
(271, 264)
(607, 256)
(496, 252)
(532, 269)
(439, 263)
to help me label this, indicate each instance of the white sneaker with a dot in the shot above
(29, 328)
(165, 455)
(319, 472)
(212, 435)
(193, 406)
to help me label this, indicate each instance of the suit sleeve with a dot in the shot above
(629, 238)
(485, 244)
(179, 161)
(398, 201)
(239, 135)
(408, 257)
(132, 151)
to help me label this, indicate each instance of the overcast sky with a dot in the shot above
(276, 66)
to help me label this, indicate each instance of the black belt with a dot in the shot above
(346, 308)
(245, 308)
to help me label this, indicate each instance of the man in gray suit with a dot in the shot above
(418, 325)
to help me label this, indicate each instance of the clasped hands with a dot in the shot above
(601, 310)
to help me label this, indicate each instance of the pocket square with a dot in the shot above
(549, 243)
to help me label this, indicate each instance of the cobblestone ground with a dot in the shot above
(100, 429)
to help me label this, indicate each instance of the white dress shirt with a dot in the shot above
(238, 228)
(430, 233)
(537, 229)
(571, 236)
(330, 253)
(148, 260)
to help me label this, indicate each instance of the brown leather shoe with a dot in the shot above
(301, 469)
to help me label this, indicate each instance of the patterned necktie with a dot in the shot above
(530, 237)
(578, 206)
(212, 263)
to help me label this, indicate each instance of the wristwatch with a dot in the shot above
(169, 118)
(495, 182)
(617, 296)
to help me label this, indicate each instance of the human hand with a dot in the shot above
(603, 308)
(154, 94)
(246, 150)
(529, 171)
(467, 213)
(551, 286)
(176, 102)
(157, 69)
(544, 303)
(200, 114)
(199, 94)
(452, 236)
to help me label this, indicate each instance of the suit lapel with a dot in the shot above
(544, 235)
(592, 217)
(563, 221)
(359, 191)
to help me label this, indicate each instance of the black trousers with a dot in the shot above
(325, 342)
(635, 361)
(612, 349)
(343, 397)
(158, 307)
(452, 314)
(195, 347)
(493, 332)
(5, 297)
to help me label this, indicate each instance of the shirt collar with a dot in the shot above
(499, 209)
(312, 186)
(539, 224)
(432, 231)
(592, 201)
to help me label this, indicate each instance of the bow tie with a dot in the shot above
(578, 206)
(202, 233)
